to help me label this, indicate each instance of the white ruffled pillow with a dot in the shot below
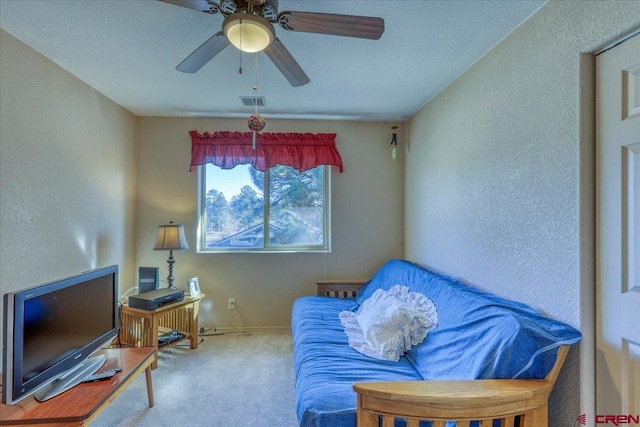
(389, 322)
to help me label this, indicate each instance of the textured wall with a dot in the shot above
(367, 219)
(67, 173)
(499, 175)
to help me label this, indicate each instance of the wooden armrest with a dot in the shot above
(453, 400)
(339, 288)
(461, 401)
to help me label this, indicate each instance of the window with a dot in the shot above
(246, 210)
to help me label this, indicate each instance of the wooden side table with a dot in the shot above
(141, 328)
(80, 405)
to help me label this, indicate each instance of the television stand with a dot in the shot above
(80, 405)
(71, 378)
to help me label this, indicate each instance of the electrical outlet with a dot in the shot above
(231, 305)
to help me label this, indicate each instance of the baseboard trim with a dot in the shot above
(253, 329)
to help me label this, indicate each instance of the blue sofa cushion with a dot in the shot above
(478, 335)
(326, 367)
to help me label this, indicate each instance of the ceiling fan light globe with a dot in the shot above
(249, 33)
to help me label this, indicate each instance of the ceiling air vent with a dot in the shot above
(251, 101)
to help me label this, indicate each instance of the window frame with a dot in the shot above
(201, 237)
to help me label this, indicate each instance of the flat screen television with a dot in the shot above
(49, 332)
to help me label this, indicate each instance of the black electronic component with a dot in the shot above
(157, 298)
(169, 337)
(102, 375)
(148, 279)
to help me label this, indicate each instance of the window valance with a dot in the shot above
(301, 151)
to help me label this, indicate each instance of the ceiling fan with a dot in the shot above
(248, 25)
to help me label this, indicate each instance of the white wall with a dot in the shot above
(67, 173)
(499, 176)
(367, 219)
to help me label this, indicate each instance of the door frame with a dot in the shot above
(587, 218)
(590, 109)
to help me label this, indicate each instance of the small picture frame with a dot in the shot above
(193, 286)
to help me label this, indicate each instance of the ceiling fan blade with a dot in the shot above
(364, 27)
(204, 53)
(282, 59)
(199, 5)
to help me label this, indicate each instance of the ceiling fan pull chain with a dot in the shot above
(256, 122)
(240, 50)
(255, 109)
(255, 88)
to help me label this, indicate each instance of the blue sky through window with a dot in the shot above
(229, 181)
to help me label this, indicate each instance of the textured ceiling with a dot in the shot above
(128, 50)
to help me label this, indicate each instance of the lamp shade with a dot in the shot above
(171, 237)
(249, 33)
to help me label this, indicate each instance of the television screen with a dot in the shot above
(51, 329)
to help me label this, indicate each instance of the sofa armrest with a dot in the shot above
(339, 288)
(462, 401)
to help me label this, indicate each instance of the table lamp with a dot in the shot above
(171, 237)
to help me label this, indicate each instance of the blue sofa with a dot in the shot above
(478, 336)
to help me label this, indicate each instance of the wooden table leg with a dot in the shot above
(193, 324)
(153, 338)
(147, 373)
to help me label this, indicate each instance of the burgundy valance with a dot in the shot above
(301, 151)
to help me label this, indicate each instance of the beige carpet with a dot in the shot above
(229, 380)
